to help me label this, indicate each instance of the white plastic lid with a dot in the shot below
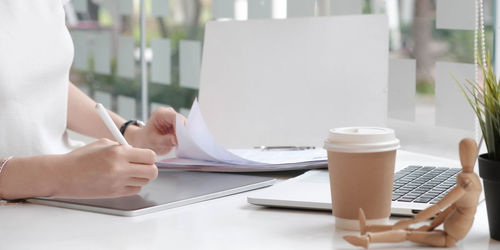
(361, 140)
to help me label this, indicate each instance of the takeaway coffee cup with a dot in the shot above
(361, 168)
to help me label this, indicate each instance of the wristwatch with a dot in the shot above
(137, 123)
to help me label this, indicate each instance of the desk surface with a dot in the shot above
(225, 223)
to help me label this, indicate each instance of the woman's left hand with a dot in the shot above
(158, 134)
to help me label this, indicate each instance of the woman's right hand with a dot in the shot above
(105, 169)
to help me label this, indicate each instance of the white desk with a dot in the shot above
(225, 223)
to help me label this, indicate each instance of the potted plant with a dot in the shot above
(485, 101)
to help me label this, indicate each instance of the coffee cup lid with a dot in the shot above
(361, 140)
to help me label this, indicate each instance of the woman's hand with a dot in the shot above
(98, 170)
(158, 134)
(105, 169)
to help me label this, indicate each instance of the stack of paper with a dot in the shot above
(198, 150)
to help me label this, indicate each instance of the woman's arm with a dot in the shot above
(83, 118)
(28, 177)
(158, 134)
(100, 169)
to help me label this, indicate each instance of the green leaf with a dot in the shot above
(485, 102)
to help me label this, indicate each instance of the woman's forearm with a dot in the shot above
(158, 134)
(101, 169)
(24, 177)
(83, 118)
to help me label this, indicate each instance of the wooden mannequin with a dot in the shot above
(457, 218)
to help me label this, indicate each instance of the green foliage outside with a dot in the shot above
(452, 45)
(425, 87)
(172, 95)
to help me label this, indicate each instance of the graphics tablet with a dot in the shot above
(171, 189)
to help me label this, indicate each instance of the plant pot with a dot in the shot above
(489, 171)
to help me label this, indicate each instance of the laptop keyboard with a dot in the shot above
(423, 184)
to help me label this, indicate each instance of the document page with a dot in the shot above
(196, 143)
(281, 156)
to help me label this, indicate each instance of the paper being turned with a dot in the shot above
(197, 147)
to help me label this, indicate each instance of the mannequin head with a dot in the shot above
(468, 154)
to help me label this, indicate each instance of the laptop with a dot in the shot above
(171, 189)
(282, 82)
(420, 180)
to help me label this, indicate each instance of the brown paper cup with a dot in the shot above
(361, 178)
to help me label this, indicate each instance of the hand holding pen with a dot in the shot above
(106, 168)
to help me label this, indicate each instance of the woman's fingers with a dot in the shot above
(149, 172)
(137, 182)
(165, 144)
(165, 141)
(184, 121)
(164, 120)
(141, 156)
(130, 190)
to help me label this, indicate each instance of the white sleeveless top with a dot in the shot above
(36, 52)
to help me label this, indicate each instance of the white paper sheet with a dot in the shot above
(187, 164)
(281, 156)
(196, 142)
(196, 145)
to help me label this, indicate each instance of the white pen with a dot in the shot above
(110, 124)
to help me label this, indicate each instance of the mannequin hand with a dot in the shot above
(158, 134)
(105, 169)
(403, 224)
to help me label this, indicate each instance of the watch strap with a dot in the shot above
(124, 126)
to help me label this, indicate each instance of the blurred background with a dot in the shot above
(429, 40)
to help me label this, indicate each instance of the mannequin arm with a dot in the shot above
(431, 211)
(447, 200)
(440, 218)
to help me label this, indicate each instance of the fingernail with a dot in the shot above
(172, 140)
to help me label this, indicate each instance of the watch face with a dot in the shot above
(139, 123)
(131, 122)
